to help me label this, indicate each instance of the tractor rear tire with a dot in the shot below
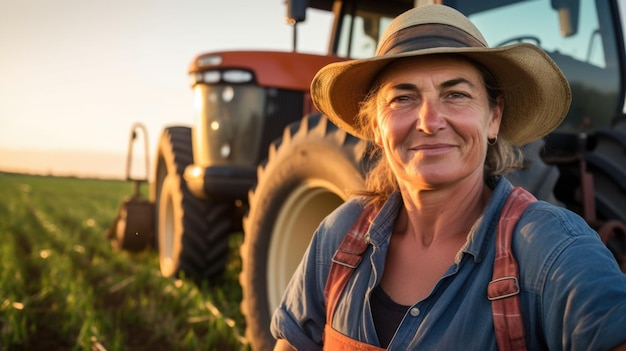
(309, 173)
(192, 233)
(607, 163)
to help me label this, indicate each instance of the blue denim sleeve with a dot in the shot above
(583, 291)
(301, 315)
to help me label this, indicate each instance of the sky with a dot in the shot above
(75, 75)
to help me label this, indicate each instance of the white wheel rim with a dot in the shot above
(295, 224)
(169, 247)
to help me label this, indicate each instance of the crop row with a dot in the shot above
(63, 287)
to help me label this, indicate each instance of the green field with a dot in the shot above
(62, 286)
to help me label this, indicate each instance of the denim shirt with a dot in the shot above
(573, 295)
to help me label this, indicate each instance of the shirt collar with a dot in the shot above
(480, 236)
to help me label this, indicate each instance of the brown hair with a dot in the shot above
(380, 181)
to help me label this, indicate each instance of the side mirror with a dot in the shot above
(296, 11)
(568, 16)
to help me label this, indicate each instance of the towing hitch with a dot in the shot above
(133, 229)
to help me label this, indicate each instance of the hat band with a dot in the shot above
(426, 36)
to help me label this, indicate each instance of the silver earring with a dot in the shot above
(492, 141)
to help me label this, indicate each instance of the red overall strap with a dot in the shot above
(503, 290)
(346, 259)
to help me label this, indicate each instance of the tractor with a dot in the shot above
(261, 159)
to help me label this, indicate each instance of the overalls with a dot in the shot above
(503, 290)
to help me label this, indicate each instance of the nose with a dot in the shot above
(429, 118)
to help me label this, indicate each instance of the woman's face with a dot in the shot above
(433, 121)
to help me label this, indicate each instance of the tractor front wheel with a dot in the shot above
(192, 233)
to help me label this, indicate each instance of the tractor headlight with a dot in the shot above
(228, 94)
(225, 150)
(237, 76)
(211, 77)
(234, 76)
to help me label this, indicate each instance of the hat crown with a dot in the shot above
(430, 14)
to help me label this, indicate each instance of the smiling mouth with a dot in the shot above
(432, 149)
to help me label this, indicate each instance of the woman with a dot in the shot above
(448, 115)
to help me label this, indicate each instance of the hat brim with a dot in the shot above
(537, 95)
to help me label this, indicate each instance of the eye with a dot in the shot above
(457, 95)
(401, 100)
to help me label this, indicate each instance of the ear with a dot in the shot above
(378, 139)
(496, 118)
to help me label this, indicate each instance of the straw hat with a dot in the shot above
(536, 93)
